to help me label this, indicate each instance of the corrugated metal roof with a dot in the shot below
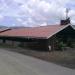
(35, 32)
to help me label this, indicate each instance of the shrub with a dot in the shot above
(62, 46)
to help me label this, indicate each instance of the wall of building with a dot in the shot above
(36, 44)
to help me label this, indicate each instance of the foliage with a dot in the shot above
(62, 46)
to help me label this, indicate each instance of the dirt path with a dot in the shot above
(12, 63)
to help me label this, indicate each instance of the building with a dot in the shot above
(45, 37)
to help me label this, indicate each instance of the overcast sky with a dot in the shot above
(35, 12)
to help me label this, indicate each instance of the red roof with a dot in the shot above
(35, 32)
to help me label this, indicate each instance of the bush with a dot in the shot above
(62, 46)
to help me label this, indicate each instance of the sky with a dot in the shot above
(32, 13)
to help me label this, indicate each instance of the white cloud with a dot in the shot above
(72, 13)
(43, 24)
(1, 17)
(13, 24)
(35, 12)
(73, 21)
(43, 5)
(19, 19)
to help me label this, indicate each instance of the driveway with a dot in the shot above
(12, 63)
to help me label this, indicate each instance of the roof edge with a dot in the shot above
(65, 26)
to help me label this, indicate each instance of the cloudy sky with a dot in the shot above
(35, 12)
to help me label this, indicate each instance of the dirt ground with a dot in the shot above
(64, 58)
